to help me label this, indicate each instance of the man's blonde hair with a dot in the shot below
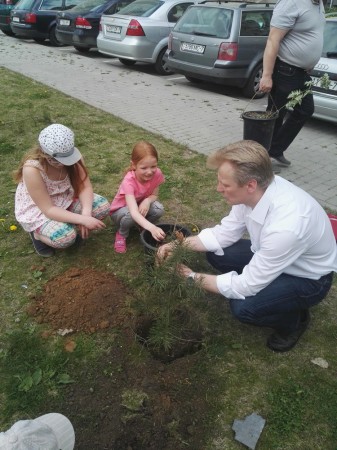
(249, 159)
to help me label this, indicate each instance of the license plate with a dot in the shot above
(113, 29)
(16, 19)
(64, 22)
(317, 83)
(194, 48)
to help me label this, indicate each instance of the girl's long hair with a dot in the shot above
(74, 172)
(140, 150)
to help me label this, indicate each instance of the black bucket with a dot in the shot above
(151, 245)
(258, 128)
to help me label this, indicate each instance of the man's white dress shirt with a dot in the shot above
(290, 233)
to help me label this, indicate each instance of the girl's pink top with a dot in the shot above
(131, 186)
(27, 213)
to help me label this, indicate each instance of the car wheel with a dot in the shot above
(127, 62)
(192, 79)
(82, 49)
(53, 39)
(252, 85)
(8, 33)
(161, 64)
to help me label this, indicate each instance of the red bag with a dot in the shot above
(333, 220)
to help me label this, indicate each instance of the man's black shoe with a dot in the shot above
(281, 160)
(41, 248)
(282, 343)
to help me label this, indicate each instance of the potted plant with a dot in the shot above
(259, 125)
(172, 230)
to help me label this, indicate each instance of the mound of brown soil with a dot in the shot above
(81, 300)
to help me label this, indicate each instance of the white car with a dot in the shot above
(326, 99)
(139, 32)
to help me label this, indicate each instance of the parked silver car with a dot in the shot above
(139, 32)
(326, 99)
(221, 43)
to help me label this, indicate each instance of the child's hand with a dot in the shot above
(91, 223)
(84, 231)
(144, 207)
(157, 233)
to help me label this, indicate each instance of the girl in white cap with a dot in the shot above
(54, 200)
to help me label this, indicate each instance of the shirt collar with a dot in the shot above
(260, 211)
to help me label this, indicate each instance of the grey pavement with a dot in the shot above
(203, 117)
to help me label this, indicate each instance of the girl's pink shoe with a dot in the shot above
(120, 243)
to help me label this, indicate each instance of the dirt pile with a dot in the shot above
(81, 300)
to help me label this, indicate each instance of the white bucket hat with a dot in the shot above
(58, 141)
(52, 431)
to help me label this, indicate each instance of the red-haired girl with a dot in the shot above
(136, 201)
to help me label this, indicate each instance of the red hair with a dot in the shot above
(140, 151)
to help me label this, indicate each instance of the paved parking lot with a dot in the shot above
(203, 117)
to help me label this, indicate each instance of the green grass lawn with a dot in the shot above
(297, 398)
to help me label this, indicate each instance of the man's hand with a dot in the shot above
(183, 270)
(164, 252)
(266, 83)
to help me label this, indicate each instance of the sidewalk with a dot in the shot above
(199, 116)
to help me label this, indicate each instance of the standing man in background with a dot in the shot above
(294, 46)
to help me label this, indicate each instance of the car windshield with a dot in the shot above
(87, 5)
(24, 4)
(203, 21)
(330, 39)
(141, 8)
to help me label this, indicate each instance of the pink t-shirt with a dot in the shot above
(131, 186)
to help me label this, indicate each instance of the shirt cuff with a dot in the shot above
(210, 242)
(224, 285)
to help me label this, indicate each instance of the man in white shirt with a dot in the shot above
(287, 265)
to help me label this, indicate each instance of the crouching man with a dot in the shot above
(285, 267)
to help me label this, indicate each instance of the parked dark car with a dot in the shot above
(79, 26)
(36, 19)
(5, 11)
